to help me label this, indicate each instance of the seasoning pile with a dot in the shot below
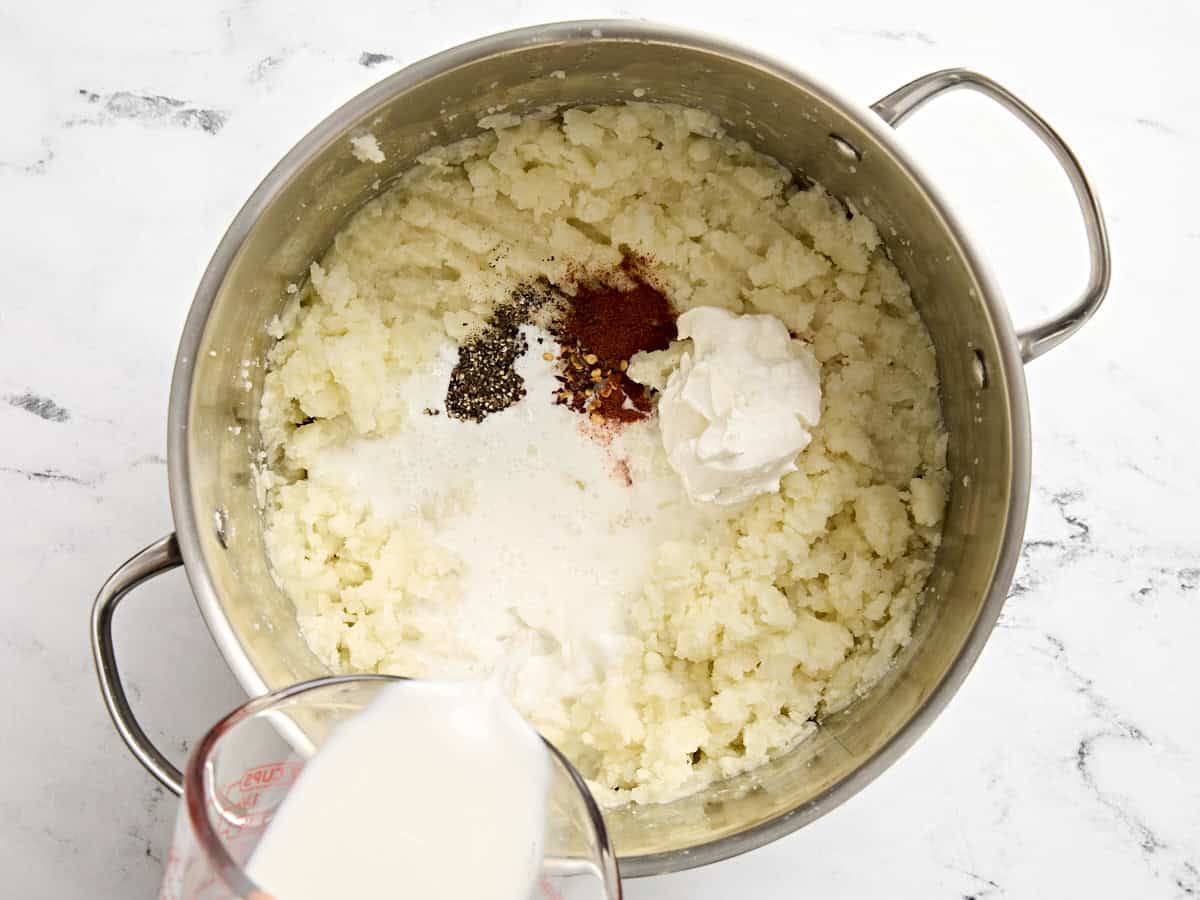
(597, 329)
(485, 380)
(602, 329)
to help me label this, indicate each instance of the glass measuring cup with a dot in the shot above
(242, 769)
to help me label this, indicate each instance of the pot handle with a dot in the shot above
(902, 102)
(161, 556)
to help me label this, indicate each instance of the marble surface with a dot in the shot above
(1068, 765)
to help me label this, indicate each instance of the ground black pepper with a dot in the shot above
(484, 380)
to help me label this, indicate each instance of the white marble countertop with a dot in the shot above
(1068, 765)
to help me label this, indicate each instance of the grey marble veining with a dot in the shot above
(1069, 763)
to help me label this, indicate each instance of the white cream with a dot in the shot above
(739, 408)
(434, 790)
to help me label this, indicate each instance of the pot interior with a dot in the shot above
(292, 219)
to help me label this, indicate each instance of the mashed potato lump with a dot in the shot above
(743, 635)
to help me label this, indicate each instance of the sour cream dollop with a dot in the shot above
(740, 407)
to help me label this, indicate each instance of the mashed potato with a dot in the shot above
(748, 634)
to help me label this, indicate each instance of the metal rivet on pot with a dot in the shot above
(979, 367)
(846, 148)
(221, 526)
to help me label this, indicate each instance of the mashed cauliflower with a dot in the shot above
(745, 636)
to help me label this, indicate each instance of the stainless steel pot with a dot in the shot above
(849, 148)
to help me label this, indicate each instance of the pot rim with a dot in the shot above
(333, 128)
